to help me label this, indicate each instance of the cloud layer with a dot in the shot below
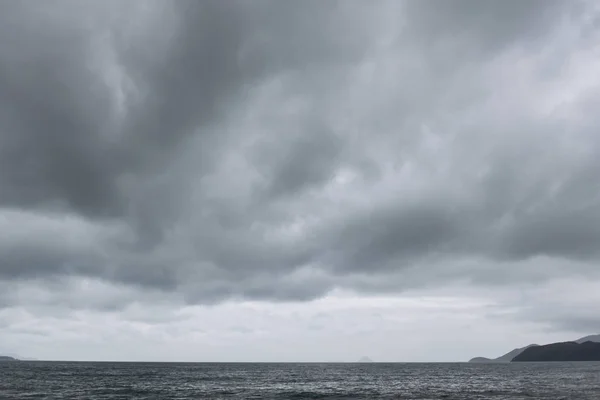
(209, 151)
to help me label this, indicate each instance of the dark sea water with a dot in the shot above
(55, 380)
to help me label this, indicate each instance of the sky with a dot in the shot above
(297, 181)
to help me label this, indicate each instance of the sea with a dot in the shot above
(514, 381)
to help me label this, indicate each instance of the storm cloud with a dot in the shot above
(200, 152)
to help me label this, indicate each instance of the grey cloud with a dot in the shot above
(578, 324)
(61, 296)
(200, 151)
(58, 145)
(51, 149)
(36, 244)
(281, 286)
(390, 237)
(566, 233)
(488, 26)
(320, 147)
(561, 304)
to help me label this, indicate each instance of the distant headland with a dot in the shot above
(508, 357)
(7, 358)
(583, 349)
(566, 351)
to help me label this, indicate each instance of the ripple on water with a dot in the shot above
(98, 381)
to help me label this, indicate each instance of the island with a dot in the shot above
(7, 358)
(365, 359)
(566, 351)
(510, 356)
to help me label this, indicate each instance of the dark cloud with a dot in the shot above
(58, 143)
(309, 160)
(54, 112)
(562, 233)
(392, 237)
(276, 150)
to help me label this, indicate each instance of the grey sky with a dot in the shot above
(279, 180)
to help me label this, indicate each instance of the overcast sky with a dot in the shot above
(297, 180)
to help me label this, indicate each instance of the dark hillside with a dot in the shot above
(567, 351)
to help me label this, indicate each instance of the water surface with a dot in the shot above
(58, 380)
